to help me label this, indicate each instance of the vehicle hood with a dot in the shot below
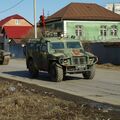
(69, 52)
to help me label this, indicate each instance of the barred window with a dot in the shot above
(103, 30)
(79, 30)
(114, 30)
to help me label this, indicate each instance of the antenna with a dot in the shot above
(113, 7)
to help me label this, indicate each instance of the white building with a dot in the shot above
(114, 7)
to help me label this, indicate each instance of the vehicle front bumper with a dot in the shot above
(76, 69)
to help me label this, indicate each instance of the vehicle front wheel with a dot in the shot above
(33, 71)
(56, 72)
(5, 60)
(89, 74)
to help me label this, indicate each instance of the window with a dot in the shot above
(57, 45)
(73, 45)
(103, 30)
(37, 47)
(44, 47)
(17, 22)
(114, 30)
(79, 30)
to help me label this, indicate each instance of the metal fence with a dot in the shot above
(16, 50)
(106, 52)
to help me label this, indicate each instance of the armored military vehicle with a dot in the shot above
(59, 56)
(4, 52)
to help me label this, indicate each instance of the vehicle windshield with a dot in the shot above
(57, 45)
(73, 45)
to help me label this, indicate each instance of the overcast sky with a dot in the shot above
(25, 7)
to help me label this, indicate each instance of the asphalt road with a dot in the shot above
(105, 87)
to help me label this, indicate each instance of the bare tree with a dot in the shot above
(30, 35)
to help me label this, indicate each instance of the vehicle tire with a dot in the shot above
(89, 74)
(33, 71)
(64, 75)
(56, 72)
(5, 60)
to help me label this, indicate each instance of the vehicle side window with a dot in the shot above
(33, 46)
(38, 47)
(44, 48)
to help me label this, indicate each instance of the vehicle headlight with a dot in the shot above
(61, 60)
(91, 60)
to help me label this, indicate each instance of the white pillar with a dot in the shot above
(65, 28)
(35, 24)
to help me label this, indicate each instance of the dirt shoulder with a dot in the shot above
(108, 66)
(20, 101)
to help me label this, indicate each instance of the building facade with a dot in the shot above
(88, 22)
(15, 28)
(94, 31)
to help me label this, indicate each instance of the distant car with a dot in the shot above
(4, 53)
(4, 57)
(59, 56)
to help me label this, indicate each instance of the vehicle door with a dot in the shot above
(44, 54)
(38, 55)
(34, 53)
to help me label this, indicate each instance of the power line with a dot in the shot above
(12, 7)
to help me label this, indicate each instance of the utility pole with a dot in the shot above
(35, 25)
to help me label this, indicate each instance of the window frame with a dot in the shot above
(79, 30)
(103, 30)
(114, 30)
(55, 43)
(44, 47)
(17, 21)
(69, 46)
